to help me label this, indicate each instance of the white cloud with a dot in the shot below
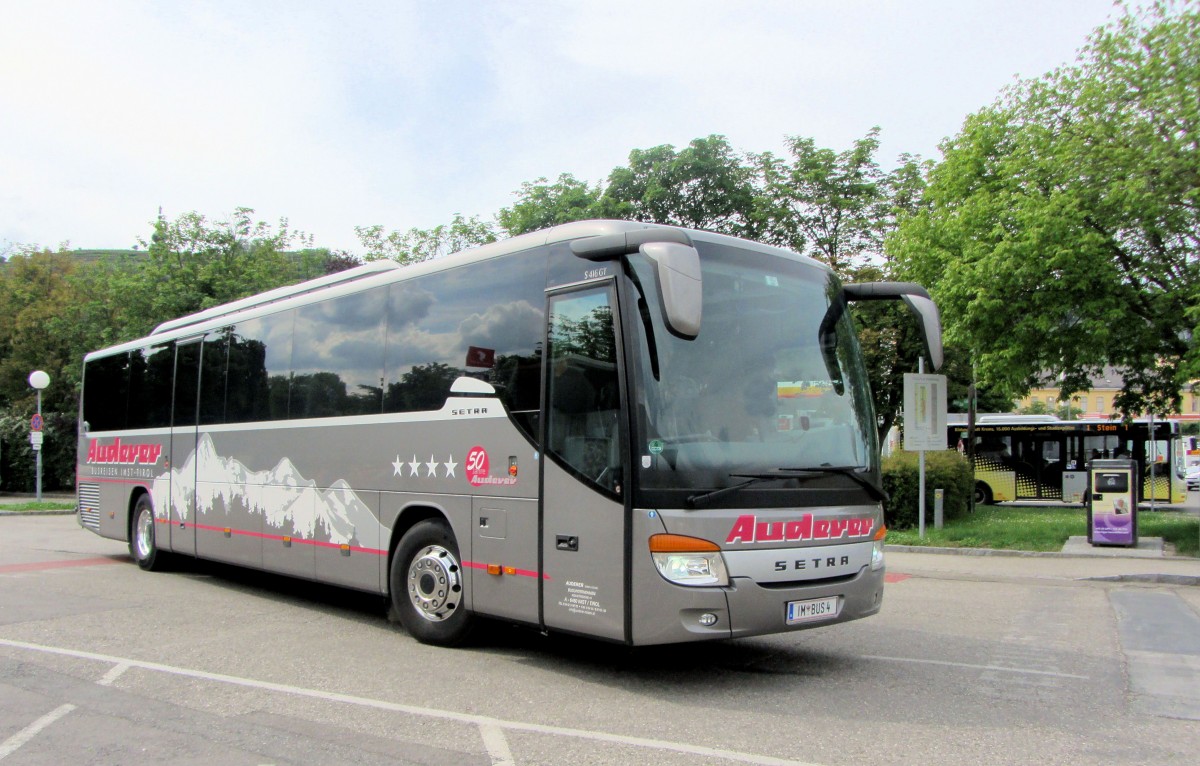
(403, 113)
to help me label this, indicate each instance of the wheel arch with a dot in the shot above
(134, 496)
(409, 517)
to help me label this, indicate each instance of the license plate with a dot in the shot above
(814, 609)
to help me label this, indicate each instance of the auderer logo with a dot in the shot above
(123, 454)
(748, 529)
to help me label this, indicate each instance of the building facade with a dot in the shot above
(1097, 401)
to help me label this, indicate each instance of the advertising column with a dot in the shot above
(1112, 504)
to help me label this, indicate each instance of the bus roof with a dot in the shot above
(958, 421)
(384, 272)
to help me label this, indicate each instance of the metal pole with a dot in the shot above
(39, 452)
(1151, 458)
(921, 472)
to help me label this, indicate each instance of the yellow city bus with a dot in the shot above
(1021, 457)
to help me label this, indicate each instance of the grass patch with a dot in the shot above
(1044, 529)
(35, 506)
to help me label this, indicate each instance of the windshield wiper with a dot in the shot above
(852, 472)
(704, 498)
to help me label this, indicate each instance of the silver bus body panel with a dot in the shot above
(269, 496)
(584, 553)
(765, 573)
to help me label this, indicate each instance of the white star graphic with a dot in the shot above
(450, 466)
(414, 466)
(398, 466)
(432, 466)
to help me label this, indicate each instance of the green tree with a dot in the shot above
(541, 204)
(705, 186)
(824, 203)
(193, 264)
(416, 245)
(48, 325)
(43, 328)
(1064, 220)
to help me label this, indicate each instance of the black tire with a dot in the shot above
(142, 544)
(427, 585)
(983, 494)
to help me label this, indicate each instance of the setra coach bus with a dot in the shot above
(620, 430)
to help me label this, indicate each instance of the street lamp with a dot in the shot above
(38, 380)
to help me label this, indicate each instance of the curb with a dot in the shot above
(70, 512)
(988, 552)
(1155, 579)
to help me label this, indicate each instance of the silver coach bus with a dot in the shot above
(633, 432)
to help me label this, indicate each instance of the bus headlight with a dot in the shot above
(877, 549)
(688, 560)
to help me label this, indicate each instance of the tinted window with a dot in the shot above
(259, 371)
(582, 394)
(106, 392)
(482, 321)
(151, 372)
(337, 356)
(187, 380)
(212, 378)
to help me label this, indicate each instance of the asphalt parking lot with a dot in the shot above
(998, 662)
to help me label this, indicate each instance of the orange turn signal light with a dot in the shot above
(882, 533)
(680, 544)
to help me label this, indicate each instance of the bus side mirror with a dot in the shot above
(912, 294)
(931, 325)
(677, 270)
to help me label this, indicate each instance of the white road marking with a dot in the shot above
(970, 666)
(497, 745)
(13, 743)
(112, 675)
(445, 715)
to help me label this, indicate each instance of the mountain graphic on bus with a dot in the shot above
(288, 503)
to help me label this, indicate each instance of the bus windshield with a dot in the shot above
(753, 394)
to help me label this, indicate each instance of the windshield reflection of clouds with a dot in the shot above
(411, 334)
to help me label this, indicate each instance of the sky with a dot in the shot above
(403, 113)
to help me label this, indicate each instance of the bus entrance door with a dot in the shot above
(582, 506)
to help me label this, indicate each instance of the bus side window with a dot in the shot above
(106, 392)
(582, 390)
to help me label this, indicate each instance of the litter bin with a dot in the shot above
(1112, 503)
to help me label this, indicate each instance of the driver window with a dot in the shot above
(582, 394)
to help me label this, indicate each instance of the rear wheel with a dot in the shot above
(142, 545)
(427, 588)
(983, 494)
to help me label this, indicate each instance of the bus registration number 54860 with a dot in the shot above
(813, 609)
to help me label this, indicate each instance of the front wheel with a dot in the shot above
(142, 545)
(427, 586)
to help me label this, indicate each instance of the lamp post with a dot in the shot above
(38, 380)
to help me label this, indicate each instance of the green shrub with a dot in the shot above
(944, 469)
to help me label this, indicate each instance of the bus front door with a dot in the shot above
(584, 520)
